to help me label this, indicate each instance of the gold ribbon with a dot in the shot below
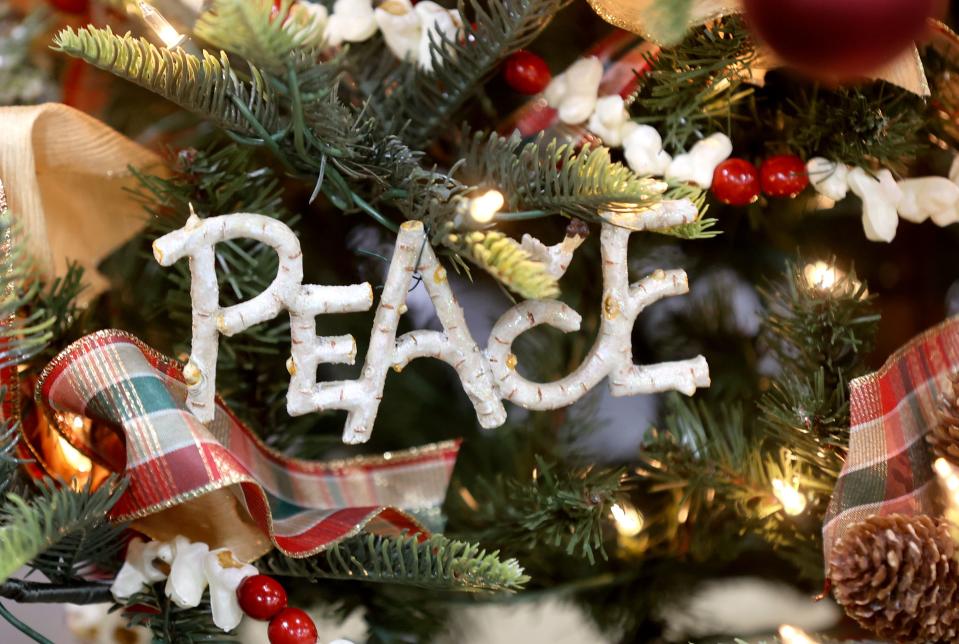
(645, 18)
(66, 175)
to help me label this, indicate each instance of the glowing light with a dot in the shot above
(792, 635)
(629, 520)
(947, 476)
(160, 26)
(74, 458)
(484, 207)
(821, 275)
(792, 500)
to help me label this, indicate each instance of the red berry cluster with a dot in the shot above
(737, 182)
(263, 598)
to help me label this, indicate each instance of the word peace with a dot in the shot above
(488, 377)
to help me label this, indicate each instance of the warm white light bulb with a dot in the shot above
(76, 459)
(160, 25)
(792, 635)
(792, 500)
(629, 520)
(821, 275)
(484, 207)
(949, 478)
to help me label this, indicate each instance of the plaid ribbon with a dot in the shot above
(889, 466)
(624, 58)
(170, 457)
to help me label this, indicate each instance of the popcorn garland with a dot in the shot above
(574, 95)
(487, 377)
(408, 30)
(236, 588)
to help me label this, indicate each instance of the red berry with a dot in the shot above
(70, 6)
(736, 182)
(526, 72)
(783, 176)
(292, 626)
(261, 597)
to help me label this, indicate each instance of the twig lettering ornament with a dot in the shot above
(488, 377)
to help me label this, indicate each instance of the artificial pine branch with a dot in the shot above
(55, 514)
(21, 336)
(503, 258)
(263, 34)
(437, 563)
(172, 624)
(206, 86)
(558, 507)
(691, 89)
(73, 592)
(556, 178)
(425, 102)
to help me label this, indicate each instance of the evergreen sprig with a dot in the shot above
(507, 261)
(691, 89)
(173, 624)
(558, 507)
(207, 86)
(255, 30)
(423, 103)
(555, 178)
(22, 336)
(56, 514)
(437, 563)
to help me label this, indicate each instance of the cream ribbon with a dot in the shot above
(65, 173)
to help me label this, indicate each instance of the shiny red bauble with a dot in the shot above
(292, 626)
(783, 176)
(736, 182)
(261, 597)
(70, 6)
(526, 72)
(838, 39)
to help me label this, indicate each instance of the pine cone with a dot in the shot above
(944, 437)
(897, 576)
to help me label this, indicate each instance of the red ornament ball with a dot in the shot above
(783, 176)
(736, 182)
(292, 626)
(838, 39)
(526, 72)
(70, 6)
(261, 597)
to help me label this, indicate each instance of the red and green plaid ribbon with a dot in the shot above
(304, 506)
(889, 466)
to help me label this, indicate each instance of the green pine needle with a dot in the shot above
(56, 515)
(507, 261)
(555, 177)
(436, 563)
(207, 86)
(254, 30)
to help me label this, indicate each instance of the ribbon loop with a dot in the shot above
(176, 464)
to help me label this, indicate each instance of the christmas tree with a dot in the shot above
(334, 309)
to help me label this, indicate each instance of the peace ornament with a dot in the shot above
(488, 377)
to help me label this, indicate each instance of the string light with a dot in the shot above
(792, 635)
(629, 520)
(160, 26)
(949, 480)
(484, 207)
(789, 497)
(822, 275)
(74, 458)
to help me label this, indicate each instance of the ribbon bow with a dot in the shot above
(218, 483)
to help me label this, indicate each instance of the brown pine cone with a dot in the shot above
(944, 436)
(897, 576)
